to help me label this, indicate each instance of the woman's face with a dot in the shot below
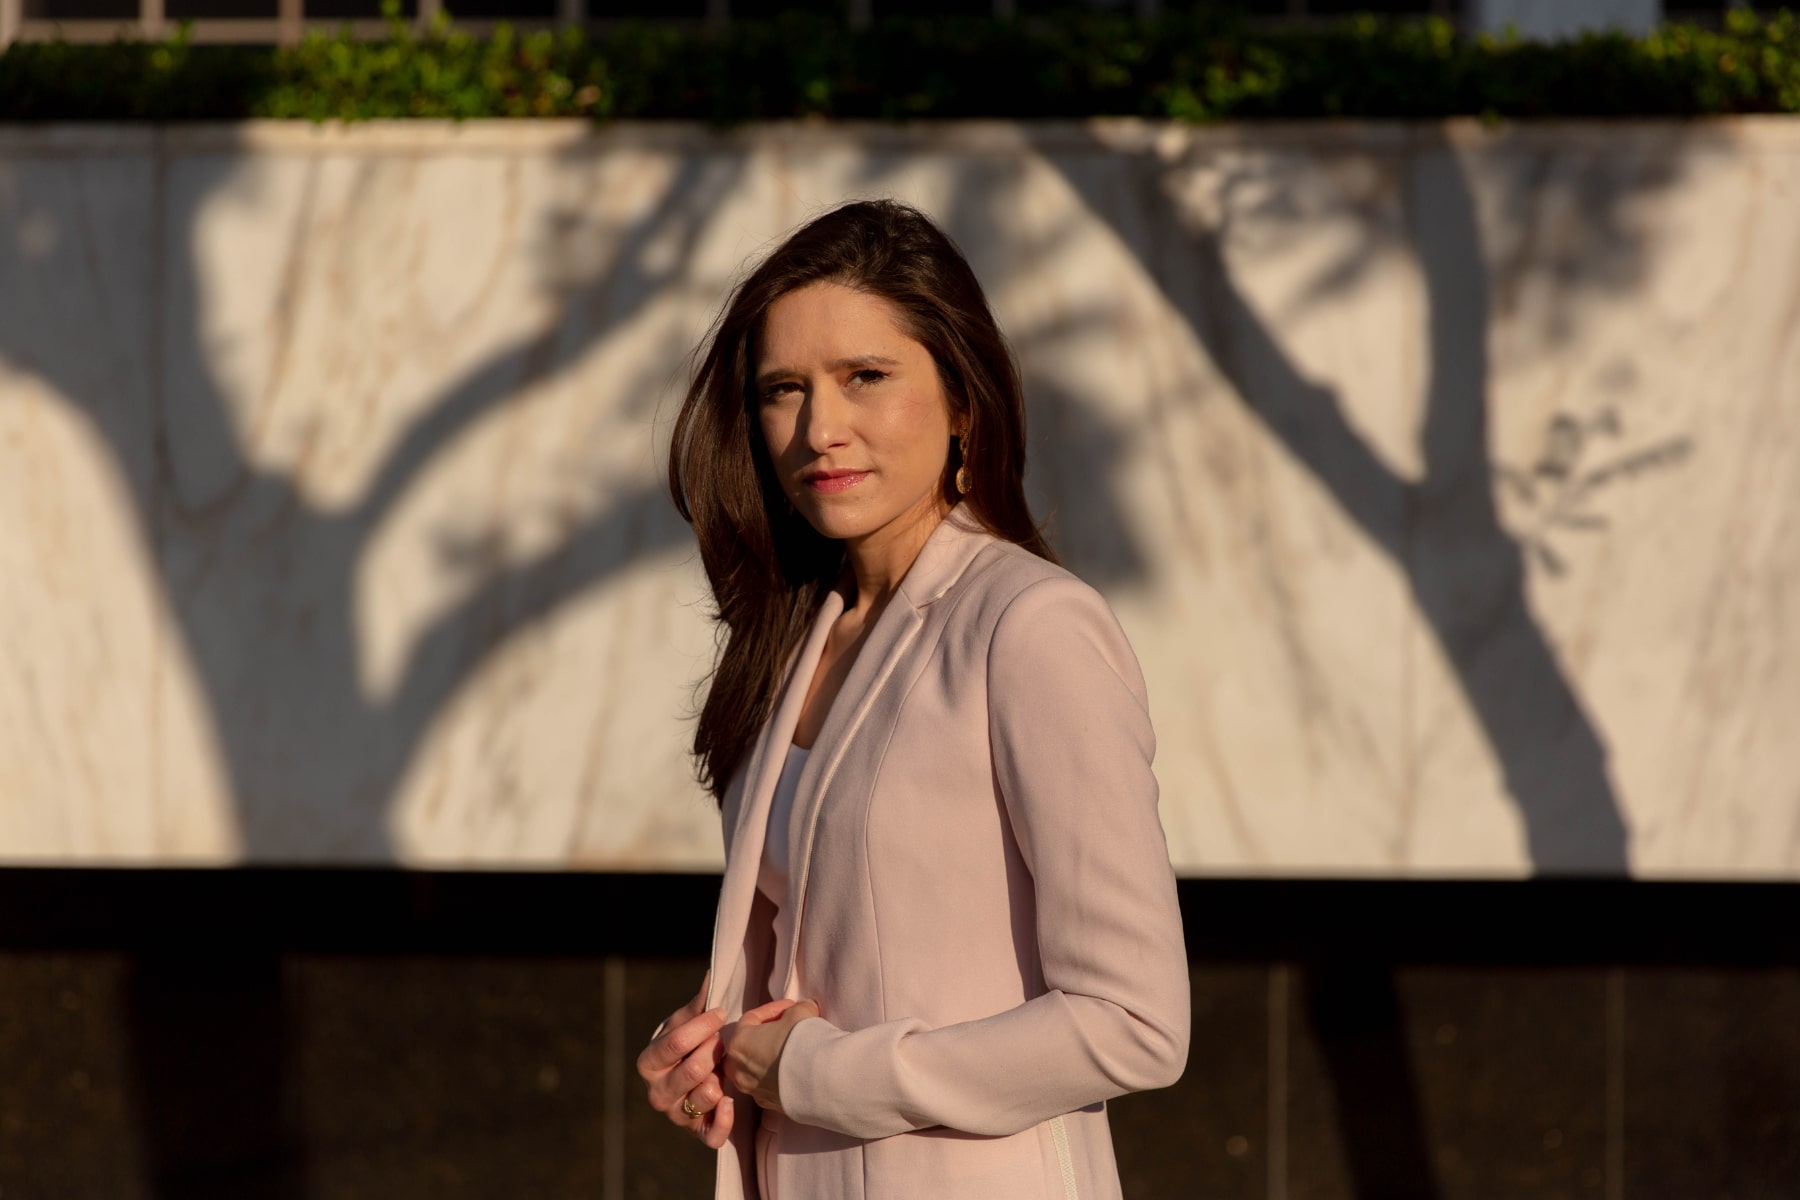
(853, 413)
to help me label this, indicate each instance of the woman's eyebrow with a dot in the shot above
(861, 361)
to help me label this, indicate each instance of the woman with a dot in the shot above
(947, 931)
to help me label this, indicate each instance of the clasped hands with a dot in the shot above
(697, 1053)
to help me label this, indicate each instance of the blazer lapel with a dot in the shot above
(941, 561)
(747, 820)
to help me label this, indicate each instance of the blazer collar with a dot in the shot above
(941, 561)
(943, 558)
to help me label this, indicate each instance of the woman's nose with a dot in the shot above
(827, 419)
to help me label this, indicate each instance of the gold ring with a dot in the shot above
(687, 1106)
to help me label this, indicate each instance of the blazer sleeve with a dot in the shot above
(1072, 745)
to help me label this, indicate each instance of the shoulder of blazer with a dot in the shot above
(961, 558)
(1000, 572)
(1009, 568)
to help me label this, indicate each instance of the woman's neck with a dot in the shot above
(880, 560)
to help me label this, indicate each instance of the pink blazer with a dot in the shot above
(983, 898)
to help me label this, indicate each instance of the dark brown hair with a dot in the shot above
(768, 567)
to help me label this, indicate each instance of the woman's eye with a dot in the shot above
(869, 375)
(778, 392)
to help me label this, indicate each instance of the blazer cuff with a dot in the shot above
(818, 1055)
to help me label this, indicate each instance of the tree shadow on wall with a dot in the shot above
(1443, 532)
(1075, 451)
(264, 581)
(259, 580)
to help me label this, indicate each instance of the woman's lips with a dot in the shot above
(836, 481)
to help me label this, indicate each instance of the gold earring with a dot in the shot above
(962, 470)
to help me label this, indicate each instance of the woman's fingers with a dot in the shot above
(693, 1108)
(717, 1123)
(782, 1013)
(678, 1041)
(762, 1014)
(668, 1088)
(704, 1095)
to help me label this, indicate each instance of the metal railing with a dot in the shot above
(290, 22)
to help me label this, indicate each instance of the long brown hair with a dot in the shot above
(768, 567)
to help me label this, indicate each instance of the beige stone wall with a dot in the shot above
(1444, 478)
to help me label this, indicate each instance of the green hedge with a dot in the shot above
(1185, 68)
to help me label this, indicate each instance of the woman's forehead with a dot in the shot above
(826, 322)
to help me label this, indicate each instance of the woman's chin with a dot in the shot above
(849, 519)
(838, 516)
(838, 526)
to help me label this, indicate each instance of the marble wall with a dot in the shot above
(1443, 476)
